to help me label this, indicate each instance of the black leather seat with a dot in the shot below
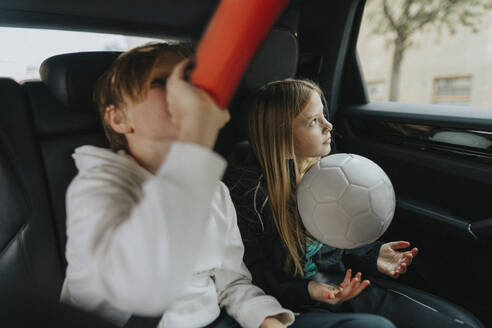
(30, 270)
(31, 266)
(64, 117)
(276, 59)
(436, 303)
(454, 311)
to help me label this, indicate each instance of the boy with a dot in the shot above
(150, 228)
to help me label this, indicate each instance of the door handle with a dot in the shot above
(481, 230)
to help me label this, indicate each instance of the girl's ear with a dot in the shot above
(118, 120)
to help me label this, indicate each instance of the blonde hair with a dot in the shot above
(127, 80)
(272, 113)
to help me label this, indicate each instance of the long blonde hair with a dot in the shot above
(271, 117)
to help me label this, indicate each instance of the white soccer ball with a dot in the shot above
(346, 201)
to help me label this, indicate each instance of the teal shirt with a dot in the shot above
(312, 247)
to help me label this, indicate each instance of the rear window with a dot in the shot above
(24, 49)
(427, 52)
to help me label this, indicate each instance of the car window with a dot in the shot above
(427, 52)
(24, 49)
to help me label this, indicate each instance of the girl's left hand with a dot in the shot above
(392, 262)
(348, 289)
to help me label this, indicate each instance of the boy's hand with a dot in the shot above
(271, 322)
(392, 262)
(193, 110)
(348, 289)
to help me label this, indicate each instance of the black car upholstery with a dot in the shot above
(64, 117)
(41, 123)
(26, 234)
(31, 266)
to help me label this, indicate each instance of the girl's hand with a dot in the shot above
(193, 110)
(392, 262)
(348, 289)
(271, 322)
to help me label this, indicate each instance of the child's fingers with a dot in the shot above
(355, 288)
(346, 280)
(403, 268)
(226, 115)
(179, 70)
(190, 66)
(172, 86)
(356, 281)
(399, 244)
(408, 257)
(353, 285)
(396, 273)
(344, 293)
(348, 285)
(363, 285)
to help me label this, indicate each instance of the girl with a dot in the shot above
(288, 133)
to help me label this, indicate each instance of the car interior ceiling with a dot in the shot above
(42, 122)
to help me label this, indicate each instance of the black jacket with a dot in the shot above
(265, 254)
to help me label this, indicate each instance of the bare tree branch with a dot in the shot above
(388, 15)
(399, 20)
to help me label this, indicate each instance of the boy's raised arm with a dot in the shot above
(143, 251)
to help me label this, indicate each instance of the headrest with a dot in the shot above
(276, 59)
(71, 77)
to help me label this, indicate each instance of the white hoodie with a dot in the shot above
(165, 244)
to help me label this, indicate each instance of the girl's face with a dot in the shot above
(311, 130)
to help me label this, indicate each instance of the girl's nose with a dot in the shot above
(328, 126)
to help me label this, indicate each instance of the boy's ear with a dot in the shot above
(118, 120)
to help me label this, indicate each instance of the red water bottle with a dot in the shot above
(236, 30)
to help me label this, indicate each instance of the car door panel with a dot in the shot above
(443, 188)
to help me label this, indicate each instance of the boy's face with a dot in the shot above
(150, 118)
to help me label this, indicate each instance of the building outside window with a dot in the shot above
(434, 65)
(452, 91)
(377, 90)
